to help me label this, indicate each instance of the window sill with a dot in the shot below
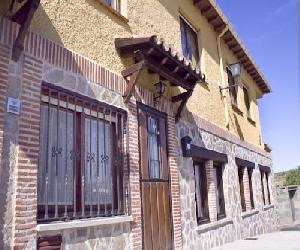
(249, 213)
(267, 207)
(113, 11)
(213, 225)
(55, 226)
(236, 109)
(251, 121)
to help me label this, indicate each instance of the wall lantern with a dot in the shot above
(160, 88)
(235, 70)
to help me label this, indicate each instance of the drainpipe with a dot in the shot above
(223, 94)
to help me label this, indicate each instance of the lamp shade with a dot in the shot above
(235, 69)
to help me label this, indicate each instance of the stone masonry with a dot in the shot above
(236, 225)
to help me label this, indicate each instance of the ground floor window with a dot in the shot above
(201, 192)
(80, 159)
(264, 177)
(242, 190)
(218, 177)
(250, 173)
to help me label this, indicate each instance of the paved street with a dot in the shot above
(287, 239)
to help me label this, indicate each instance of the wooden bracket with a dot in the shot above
(24, 17)
(134, 73)
(184, 98)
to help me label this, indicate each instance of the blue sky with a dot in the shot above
(269, 29)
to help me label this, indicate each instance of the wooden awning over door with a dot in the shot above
(157, 58)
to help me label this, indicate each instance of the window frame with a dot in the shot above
(247, 101)
(219, 171)
(162, 144)
(184, 25)
(232, 90)
(250, 175)
(203, 189)
(79, 207)
(113, 4)
(242, 188)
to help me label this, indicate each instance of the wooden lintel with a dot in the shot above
(28, 11)
(134, 71)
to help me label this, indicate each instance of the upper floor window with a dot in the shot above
(247, 100)
(189, 41)
(218, 177)
(115, 4)
(233, 87)
(80, 166)
(201, 193)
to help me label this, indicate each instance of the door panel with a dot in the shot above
(157, 224)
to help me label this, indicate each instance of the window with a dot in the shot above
(201, 193)
(247, 100)
(262, 186)
(250, 172)
(218, 177)
(242, 191)
(233, 89)
(154, 152)
(189, 41)
(264, 175)
(268, 189)
(80, 167)
(115, 4)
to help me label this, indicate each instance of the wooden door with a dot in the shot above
(156, 207)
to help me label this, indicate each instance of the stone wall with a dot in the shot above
(237, 225)
(104, 237)
(284, 205)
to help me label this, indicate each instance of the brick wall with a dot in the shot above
(26, 191)
(246, 189)
(4, 62)
(211, 188)
(38, 53)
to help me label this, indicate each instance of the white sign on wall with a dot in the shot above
(13, 105)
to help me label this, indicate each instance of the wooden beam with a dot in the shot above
(179, 97)
(135, 67)
(134, 71)
(206, 9)
(197, 2)
(212, 18)
(164, 61)
(18, 46)
(166, 73)
(219, 28)
(182, 104)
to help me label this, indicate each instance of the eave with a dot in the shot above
(216, 18)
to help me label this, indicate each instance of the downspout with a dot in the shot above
(222, 84)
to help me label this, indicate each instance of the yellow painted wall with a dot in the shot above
(89, 28)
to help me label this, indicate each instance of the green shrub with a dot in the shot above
(293, 177)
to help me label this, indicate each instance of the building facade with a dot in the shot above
(122, 126)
